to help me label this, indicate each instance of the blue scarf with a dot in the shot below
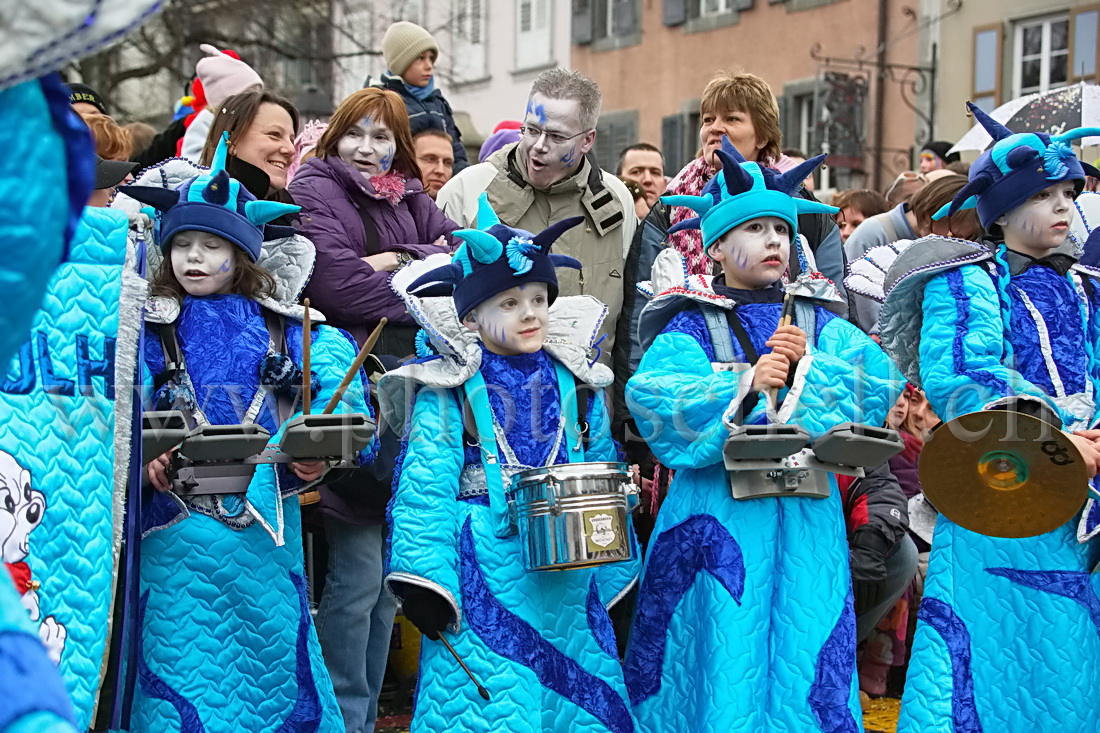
(419, 93)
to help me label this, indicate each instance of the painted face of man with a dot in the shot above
(513, 322)
(368, 146)
(203, 262)
(1041, 224)
(552, 143)
(754, 254)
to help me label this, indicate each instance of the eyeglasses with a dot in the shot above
(905, 177)
(534, 133)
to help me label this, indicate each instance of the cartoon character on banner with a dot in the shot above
(21, 511)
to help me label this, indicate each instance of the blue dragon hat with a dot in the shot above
(215, 203)
(1017, 166)
(745, 190)
(495, 257)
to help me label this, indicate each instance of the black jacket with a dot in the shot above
(431, 113)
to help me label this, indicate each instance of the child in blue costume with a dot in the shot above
(226, 637)
(540, 642)
(744, 617)
(1009, 631)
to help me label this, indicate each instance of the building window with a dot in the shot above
(1042, 54)
(708, 8)
(533, 34)
(1085, 43)
(985, 87)
(410, 10)
(470, 55)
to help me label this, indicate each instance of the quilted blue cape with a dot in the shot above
(745, 618)
(1009, 632)
(541, 643)
(227, 639)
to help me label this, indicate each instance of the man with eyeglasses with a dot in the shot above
(549, 176)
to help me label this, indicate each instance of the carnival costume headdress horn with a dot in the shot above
(495, 257)
(213, 202)
(1016, 167)
(743, 191)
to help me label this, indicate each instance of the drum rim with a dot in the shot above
(615, 468)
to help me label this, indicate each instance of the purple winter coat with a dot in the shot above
(351, 293)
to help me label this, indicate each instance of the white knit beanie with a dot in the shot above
(403, 44)
(222, 76)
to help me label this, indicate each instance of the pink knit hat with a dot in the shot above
(222, 76)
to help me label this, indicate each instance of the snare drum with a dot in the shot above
(573, 515)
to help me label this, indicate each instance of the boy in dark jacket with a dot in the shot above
(410, 53)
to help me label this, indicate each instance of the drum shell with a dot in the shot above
(572, 515)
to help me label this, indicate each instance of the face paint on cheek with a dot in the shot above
(570, 158)
(386, 160)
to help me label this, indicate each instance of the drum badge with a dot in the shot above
(603, 532)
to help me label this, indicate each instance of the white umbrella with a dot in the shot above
(1055, 112)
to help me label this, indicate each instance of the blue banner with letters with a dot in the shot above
(67, 399)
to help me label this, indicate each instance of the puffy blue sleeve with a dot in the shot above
(678, 400)
(844, 377)
(424, 512)
(962, 346)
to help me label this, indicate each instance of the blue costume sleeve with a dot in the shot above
(962, 346)
(677, 400)
(423, 513)
(845, 377)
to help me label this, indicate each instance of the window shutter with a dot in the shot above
(674, 12)
(582, 22)
(625, 17)
(672, 142)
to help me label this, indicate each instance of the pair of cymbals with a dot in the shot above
(1003, 474)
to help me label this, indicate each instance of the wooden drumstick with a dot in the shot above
(480, 690)
(307, 387)
(355, 365)
(785, 318)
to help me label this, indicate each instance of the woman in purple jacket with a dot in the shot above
(365, 209)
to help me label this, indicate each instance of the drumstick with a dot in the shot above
(480, 690)
(359, 359)
(785, 317)
(307, 392)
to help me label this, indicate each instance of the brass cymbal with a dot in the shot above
(1003, 474)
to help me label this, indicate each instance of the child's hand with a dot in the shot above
(771, 372)
(1093, 436)
(309, 470)
(158, 472)
(441, 242)
(790, 341)
(1090, 453)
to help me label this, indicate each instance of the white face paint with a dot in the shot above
(754, 254)
(553, 143)
(1041, 224)
(203, 262)
(368, 147)
(513, 322)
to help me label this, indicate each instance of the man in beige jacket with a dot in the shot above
(548, 176)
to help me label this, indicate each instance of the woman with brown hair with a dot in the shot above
(365, 209)
(261, 127)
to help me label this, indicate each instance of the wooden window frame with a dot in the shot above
(1072, 77)
(999, 72)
